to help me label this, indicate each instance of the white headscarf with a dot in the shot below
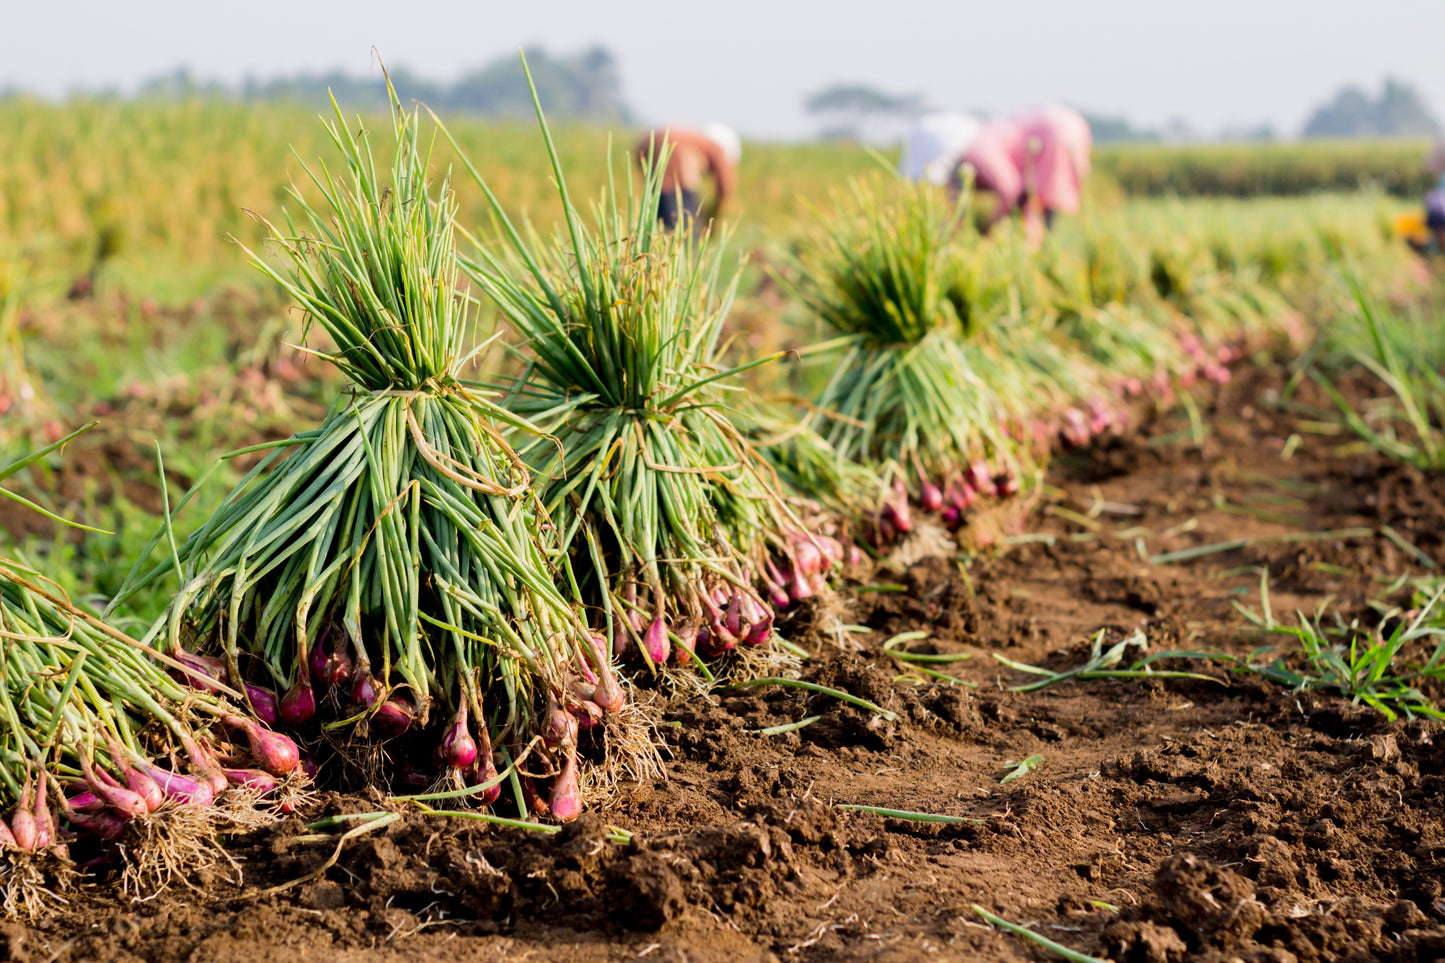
(935, 144)
(726, 138)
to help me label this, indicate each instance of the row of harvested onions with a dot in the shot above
(446, 576)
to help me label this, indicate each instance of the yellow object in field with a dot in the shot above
(1412, 227)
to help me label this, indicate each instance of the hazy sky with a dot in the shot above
(750, 62)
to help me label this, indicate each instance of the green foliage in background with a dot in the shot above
(1255, 169)
(153, 189)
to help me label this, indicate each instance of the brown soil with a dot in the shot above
(1168, 820)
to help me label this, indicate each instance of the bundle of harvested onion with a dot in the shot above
(102, 739)
(391, 573)
(909, 393)
(676, 526)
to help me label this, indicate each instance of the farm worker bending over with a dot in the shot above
(1425, 231)
(1435, 199)
(934, 145)
(1063, 161)
(697, 155)
(1431, 241)
(1435, 214)
(1035, 162)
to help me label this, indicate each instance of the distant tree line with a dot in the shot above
(1399, 111)
(584, 85)
(1117, 130)
(845, 110)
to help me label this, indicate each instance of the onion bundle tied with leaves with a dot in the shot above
(386, 584)
(918, 390)
(681, 537)
(104, 740)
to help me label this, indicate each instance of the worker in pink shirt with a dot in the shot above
(1034, 162)
(1062, 161)
(997, 158)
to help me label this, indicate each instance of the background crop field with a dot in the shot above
(156, 187)
(167, 337)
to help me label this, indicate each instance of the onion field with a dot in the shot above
(409, 551)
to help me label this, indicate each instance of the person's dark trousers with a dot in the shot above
(675, 205)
